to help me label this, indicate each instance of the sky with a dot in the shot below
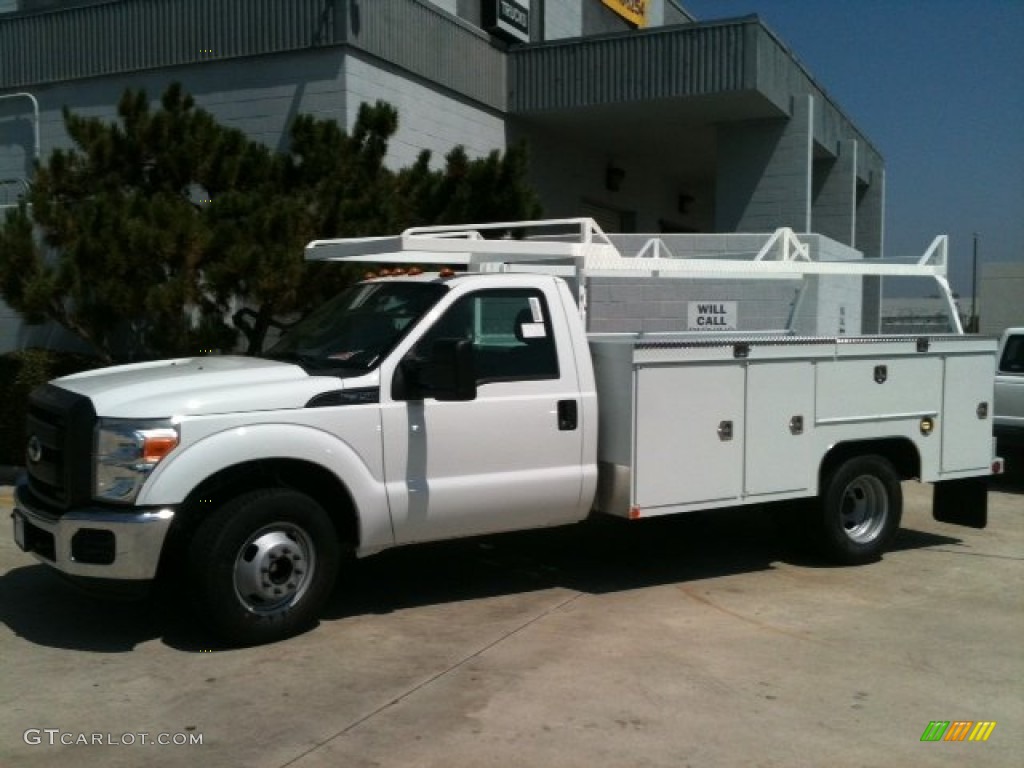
(937, 86)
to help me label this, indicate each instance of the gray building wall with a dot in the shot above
(599, 19)
(771, 122)
(907, 316)
(649, 305)
(1001, 297)
(672, 13)
(257, 81)
(830, 305)
(452, 6)
(261, 96)
(568, 175)
(42, 5)
(428, 118)
(764, 173)
(563, 19)
(834, 194)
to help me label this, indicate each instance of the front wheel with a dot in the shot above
(262, 566)
(859, 509)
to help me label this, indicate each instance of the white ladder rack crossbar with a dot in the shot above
(784, 255)
(464, 245)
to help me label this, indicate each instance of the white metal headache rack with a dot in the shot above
(587, 251)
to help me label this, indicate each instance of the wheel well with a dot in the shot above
(901, 453)
(310, 479)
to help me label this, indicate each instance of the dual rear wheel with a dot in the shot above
(858, 512)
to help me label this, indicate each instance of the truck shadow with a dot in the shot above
(1008, 484)
(41, 607)
(602, 555)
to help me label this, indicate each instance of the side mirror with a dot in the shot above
(448, 374)
(451, 371)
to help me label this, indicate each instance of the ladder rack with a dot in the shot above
(579, 243)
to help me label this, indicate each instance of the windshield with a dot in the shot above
(358, 327)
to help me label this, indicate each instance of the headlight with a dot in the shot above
(126, 451)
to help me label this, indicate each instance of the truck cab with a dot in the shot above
(1009, 393)
(410, 408)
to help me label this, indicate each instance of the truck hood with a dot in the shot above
(198, 386)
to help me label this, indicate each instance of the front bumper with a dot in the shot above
(93, 542)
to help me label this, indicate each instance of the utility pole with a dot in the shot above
(974, 287)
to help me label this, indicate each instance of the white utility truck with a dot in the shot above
(421, 406)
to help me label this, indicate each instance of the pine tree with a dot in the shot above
(485, 189)
(122, 245)
(165, 233)
(330, 184)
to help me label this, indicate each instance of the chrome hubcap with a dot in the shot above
(274, 568)
(865, 507)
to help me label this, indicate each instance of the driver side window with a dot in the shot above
(510, 330)
(1013, 355)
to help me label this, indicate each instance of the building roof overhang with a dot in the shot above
(672, 86)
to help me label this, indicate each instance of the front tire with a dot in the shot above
(859, 510)
(262, 566)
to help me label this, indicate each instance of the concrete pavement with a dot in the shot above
(699, 640)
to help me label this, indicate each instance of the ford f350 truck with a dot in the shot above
(421, 406)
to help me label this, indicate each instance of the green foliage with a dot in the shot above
(158, 225)
(492, 188)
(20, 373)
(130, 242)
(330, 184)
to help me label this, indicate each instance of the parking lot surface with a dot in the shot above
(702, 640)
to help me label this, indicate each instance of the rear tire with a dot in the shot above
(859, 510)
(261, 567)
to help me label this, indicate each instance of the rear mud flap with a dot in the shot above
(961, 502)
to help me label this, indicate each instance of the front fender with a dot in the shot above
(184, 469)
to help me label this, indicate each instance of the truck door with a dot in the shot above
(510, 458)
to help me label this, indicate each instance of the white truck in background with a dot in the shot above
(418, 407)
(1009, 394)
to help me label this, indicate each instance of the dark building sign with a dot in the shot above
(508, 18)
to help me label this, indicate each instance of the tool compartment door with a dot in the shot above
(689, 434)
(780, 417)
(966, 427)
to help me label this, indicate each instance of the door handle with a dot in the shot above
(568, 415)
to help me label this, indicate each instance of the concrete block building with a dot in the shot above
(1001, 297)
(635, 112)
